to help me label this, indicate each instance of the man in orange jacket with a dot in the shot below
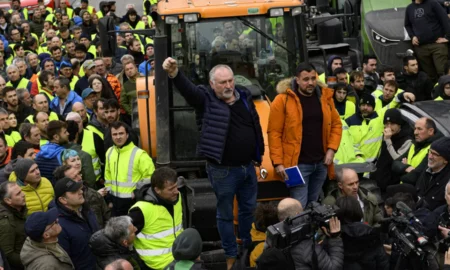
(302, 103)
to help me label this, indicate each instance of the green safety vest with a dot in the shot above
(22, 84)
(154, 242)
(369, 135)
(377, 94)
(415, 160)
(347, 151)
(69, 12)
(13, 138)
(93, 50)
(152, 2)
(43, 141)
(73, 82)
(96, 131)
(99, 14)
(52, 117)
(90, 9)
(125, 167)
(88, 146)
(24, 12)
(438, 99)
(323, 78)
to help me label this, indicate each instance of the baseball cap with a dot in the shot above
(88, 64)
(36, 223)
(66, 185)
(86, 92)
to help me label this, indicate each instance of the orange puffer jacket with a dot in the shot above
(285, 125)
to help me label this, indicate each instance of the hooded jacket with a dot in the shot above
(372, 213)
(72, 97)
(38, 198)
(398, 142)
(75, 235)
(107, 251)
(37, 256)
(443, 80)
(12, 234)
(285, 125)
(427, 21)
(48, 159)
(363, 248)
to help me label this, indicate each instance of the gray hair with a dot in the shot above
(213, 71)
(128, 57)
(12, 66)
(18, 60)
(21, 93)
(339, 173)
(116, 228)
(3, 111)
(4, 189)
(29, 55)
(72, 116)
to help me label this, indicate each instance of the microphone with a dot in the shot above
(406, 211)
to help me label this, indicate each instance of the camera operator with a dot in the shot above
(328, 256)
(362, 243)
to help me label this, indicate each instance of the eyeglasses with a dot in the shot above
(433, 153)
(51, 225)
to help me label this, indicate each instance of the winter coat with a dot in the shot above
(363, 249)
(330, 255)
(75, 235)
(419, 84)
(285, 125)
(37, 256)
(399, 168)
(71, 99)
(213, 117)
(12, 234)
(48, 159)
(81, 84)
(38, 199)
(443, 80)
(431, 187)
(98, 205)
(108, 251)
(372, 213)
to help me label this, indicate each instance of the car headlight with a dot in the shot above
(382, 39)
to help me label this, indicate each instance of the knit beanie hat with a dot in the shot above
(188, 245)
(367, 99)
(65, 64)
(442, 146)
(22, 167)
(393, 116)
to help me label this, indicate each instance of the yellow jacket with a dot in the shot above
(38, 199)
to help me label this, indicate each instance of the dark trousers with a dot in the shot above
(432, 59)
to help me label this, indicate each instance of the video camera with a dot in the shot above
(291, 231)
(407, 232)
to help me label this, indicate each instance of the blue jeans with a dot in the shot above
(314, 176)
(228, 182)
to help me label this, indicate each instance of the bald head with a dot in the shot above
(119, 265)
(79, 108)
(289, 208)
(73, 116)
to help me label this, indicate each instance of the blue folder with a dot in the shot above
(295, 177)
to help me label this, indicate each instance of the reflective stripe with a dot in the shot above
(345, 127)
(373, 140)
(121, 184)
(356, 145)
(97, 172)
(160, 234)
(370, 159)
(154, 252)
(94, 160)
(336, 161)
(146, 181)
(131, 164)
(121, 195)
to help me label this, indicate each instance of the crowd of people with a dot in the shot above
(77, 191)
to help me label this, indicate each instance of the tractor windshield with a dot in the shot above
(256, 48)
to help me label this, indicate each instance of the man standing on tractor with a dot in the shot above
(231, 140)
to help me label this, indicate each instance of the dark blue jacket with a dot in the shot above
(75, 235)
(213, 117)
(71, 99)
(48, 159)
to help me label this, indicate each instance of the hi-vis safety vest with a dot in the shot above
(88, 146)
(368, 136)
(347, 151)
(22, 84)
(96, 131)
(415, 160)
(52, 117)
(350, 110)
(125, 167)
(154, 242)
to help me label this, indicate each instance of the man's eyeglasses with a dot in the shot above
(51, 225)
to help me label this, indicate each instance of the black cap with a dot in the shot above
(442, 146)
(393, 116)
(66, 185)
(38, 221)
(367, 99)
